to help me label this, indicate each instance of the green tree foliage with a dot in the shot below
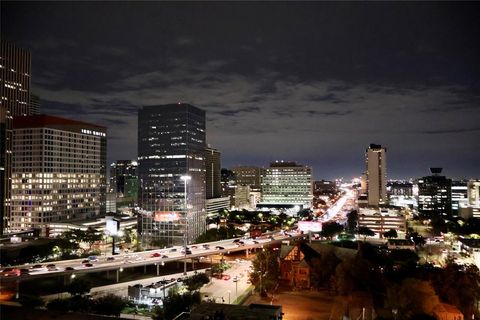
(220, 234)
(352, 221)
(438, 225)
(412, 297)
(330, 229)
(196, 281)
(218, 268)
(109, 305)
(175, 304)
(79, 287)
(459, 285)
(323, 269)
(355, 274)
(392, 233)
(266, 270)
(365, 232)
(66, 247)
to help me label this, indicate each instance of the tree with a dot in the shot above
(352, 221)
(175, 304)
(266, 270)
(196, 281)
(90, 237)
(412, 297)
(438, 225)
(79, 287)
(365, 232)
(392, 233)
(329, 229)
(109, 305)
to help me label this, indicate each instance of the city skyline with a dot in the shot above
(309, 82)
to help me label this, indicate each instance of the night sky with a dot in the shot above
(314, 82)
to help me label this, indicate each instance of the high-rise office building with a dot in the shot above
(120, 172)
(459, 195)
(171, 159)
(15, 79)
(473, 192)
(34, 104)
(247, 176)
(58, 171)
(376, 160)
(287, 184)
(435, 194)
(212, 168)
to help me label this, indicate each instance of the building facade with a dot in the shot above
(435, 194)
(382, 220)
(376, 174)
(213, 174)
(287, 184)
(247, 176)
(58, 171)
(473, 193)
(124, 182)
(15, 79)
(459, 196)
(171, 146)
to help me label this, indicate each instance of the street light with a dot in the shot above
(185, 179)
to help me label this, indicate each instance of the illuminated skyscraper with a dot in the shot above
(287, 184)
(171, 144)
(435, 194)
(376, 174)
(213, 175)
(15, 73)
(58, 171)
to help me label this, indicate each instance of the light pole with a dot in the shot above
(185, 179)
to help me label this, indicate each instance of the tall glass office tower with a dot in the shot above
(171, 145)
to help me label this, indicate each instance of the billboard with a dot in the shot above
(306, 226)
(166, 216)
(112, 225)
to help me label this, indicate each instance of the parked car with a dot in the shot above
(9, 272)
(24, 272)
(51, 267)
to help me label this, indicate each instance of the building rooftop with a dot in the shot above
(40, 121)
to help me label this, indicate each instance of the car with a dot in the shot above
(173, 250)
(36, 267)
(69, 268)
(206, 246)
(194, 247)
(93, 258)
(188, 252)
(219, 248)
(164, 256)
(110, 258)
(8, 272)
(24, 272)
(155, 255)
(88, 265)
(86, 261)
(236, 240)
(255, 241)
(51, 267)
(226, 277)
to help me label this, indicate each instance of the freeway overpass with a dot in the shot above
(152, 257)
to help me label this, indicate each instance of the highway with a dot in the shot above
(143, 258)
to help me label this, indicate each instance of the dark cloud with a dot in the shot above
(313, 82)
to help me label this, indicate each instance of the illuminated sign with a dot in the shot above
(306, 226)
(166, 216)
